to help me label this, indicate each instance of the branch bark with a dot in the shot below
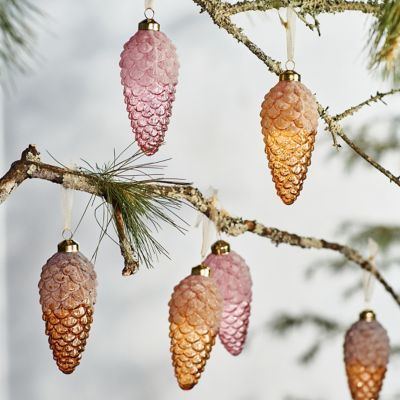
(30, 167)
(312, 7)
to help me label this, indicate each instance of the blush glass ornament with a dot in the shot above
(67, 290)
(289, 120)
(149, 75)
(366, 355)
(232, 277)
(194, 315)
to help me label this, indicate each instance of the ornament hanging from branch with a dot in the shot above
(366, 345)
(232, 277)
(366, 355)
(149, 74)
(67, 289)
(289, 120)
(194, 315)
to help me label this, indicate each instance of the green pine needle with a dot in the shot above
(385, 39)
(16, 34)
(130, 187)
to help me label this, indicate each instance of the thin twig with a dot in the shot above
(336, 129)
(130, 259)
(373, 99)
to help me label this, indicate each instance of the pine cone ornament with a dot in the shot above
(194, 316)
(289, 120)
(366, 355)
(67, 289)
(149, 74)
(232, 277)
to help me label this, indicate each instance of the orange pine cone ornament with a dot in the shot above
(67, 289)
(289, 120)
(366, 355)
(194, 316)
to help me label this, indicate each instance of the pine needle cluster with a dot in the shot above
(131, 187)
(385, 39)
(16, 34)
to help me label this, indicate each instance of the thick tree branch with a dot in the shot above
(217, 12)
(312, 7)
(30, 167)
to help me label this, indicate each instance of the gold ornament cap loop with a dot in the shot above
(68, 246)
(220, 247)
(202, 270)
(367, 315)
(149, 24)
(290, 75)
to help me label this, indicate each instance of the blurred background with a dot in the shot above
(70, 104)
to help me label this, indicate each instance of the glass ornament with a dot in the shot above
(67, 290)
(289, 120)
(194, 315)
(149, 75)
(232, 277)
(366, 355)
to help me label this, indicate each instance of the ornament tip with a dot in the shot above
(68, 246)
(202, 270)
(149, 24)
(220, 247)
(367, 315)
(290, 75)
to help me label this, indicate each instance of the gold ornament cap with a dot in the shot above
(149, 24)
(202, 270)
(220, 247)
(68, 246)
(367, 315)
(290, 75)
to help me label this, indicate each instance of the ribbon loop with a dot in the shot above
(209, 224)
(67, 201)
(369, 278)
(149, 5)
(290, 34)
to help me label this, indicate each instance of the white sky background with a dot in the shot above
(72, 106)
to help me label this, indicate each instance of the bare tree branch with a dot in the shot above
(373, 99)
(312, 7)
(30, 167)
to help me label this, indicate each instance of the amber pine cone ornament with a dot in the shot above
(67, 289)
(194, 316)
(366, 355)
(289, 120)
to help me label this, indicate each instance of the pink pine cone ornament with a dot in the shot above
(232, 277)
(67, 289)
(366, 355)
(149, 74)
(289, 120)
(194, 315)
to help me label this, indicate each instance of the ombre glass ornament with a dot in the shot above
(289, 120)
(67, 289)
(194, 315)
(366, 355)
(149, 74)
(232, 277)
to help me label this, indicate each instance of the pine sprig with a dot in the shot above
(16, 34)
(130, 187)
(385, 39)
